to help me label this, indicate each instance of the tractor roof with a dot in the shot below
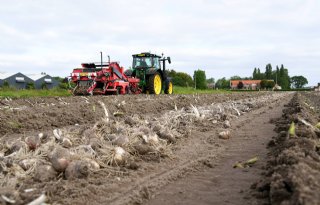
(146, 55)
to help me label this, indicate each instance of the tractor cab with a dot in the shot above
(145, 61)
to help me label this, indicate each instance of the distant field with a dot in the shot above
(190, 90)
(9, 92)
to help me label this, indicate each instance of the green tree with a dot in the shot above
(263, 84)
(235, 77)
(30, 86)
(223, 83)
(59, 79)
(280, 75)
(211, 83)
(210, 80)
(254, 74)
(240, 85)
(200, 79)
(64, 86)
(268, 72)
(267, 84)
(299, 81)
(180, 78)
(284, 78)
(44, 86)
(259, 75)
(276, 74)
(5, 84)
(270, 84)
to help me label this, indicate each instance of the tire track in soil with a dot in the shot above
(222, 184)
(145, 187)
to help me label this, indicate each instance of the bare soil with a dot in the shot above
(189, 162)
(293, 168)
(220, 182)
(24, 115)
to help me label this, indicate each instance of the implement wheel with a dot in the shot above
(118, 92)
(168, 88)
(155, 84)
(127, 90)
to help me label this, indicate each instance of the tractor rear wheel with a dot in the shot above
(169, 87)
(155, 84)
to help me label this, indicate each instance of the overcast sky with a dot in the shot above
(222, 37)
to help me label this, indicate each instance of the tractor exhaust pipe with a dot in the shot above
(101, 58)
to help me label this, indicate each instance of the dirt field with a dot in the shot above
(180, 149)
(293, 167)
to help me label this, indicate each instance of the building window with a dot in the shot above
(20, 80)
(48, 80)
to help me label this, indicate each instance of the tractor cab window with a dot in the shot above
(156, 63)
(142, 62)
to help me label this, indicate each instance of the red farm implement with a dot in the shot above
(103, 79)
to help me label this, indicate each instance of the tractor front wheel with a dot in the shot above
(168, 88)
(155, 84)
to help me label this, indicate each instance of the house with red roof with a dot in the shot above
(247, 84)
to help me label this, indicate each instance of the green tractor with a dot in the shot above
(153, 79)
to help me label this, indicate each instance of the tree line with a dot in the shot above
(182, 79)
(269, 78)
(280, 76)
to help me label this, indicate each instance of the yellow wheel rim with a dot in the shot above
(157, 84)
(170, 88)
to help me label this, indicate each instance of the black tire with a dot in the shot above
(152, 85)
(168, 87)
(127, 89)
(118, 92)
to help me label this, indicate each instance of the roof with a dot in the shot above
(36, 76)
(245, 82)
(146, 54)
(5, 75)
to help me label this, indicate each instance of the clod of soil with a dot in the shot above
(17, 145)
(144, 149)
(59, 158)
(66, 142)
(77, 169)
(120, 140)
(224, 135)
(27, 163)
(44, 173)
(165, 134)
(33, 142)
